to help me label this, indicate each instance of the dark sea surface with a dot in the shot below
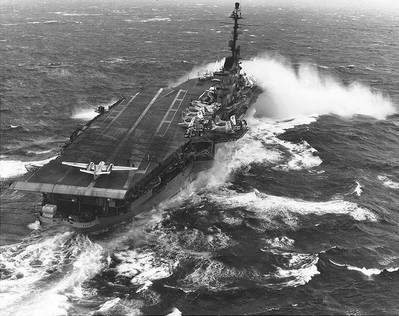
(300, 216)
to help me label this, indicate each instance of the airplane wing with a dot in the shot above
(75, 164)
(123, 168)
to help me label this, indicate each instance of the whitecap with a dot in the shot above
(369, 272)
(387, 182)
(270, 207)
(108, 305)
(156, 19)
(358, 190)
(303, 156)
(175, 312)
(280, 243)
(301, 269)
(30, 262)
(76, 14)
(142, 267)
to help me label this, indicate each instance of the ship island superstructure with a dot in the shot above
(144, 148)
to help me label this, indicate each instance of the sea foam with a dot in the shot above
(269, 207)
(290, 92)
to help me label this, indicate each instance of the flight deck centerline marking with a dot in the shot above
(106, 129)
(122, 143)
(172, 110)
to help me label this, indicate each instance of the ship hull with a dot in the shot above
(143, 204)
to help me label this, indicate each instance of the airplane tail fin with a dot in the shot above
(86, 171)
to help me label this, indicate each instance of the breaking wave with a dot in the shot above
(358, 190)
(387, 182)
(156, 19)
(269, 207)
(369, 272)
(290, 92)
(261, 145)
(45, 274)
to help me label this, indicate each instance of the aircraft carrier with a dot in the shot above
(144, 148)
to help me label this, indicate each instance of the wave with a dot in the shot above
(76, 14)
(290, 92)
(117, 306)
(301, 269)
(35, 272)
(261, 145)
(16, 168)
(303, 156)
(115, 60)
(142, 267)
(358, 190)
(51, 22)
(175, 312)
(369, 272)
(294, 269)
(156, 19)
(387, 182)
(279, 243)
(270, 208)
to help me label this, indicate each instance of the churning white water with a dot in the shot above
(290, 92)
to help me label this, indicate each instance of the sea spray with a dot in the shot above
(84, 114)
(88, 113)
(15, 168)
(290, 92)
(40, 266)
(199, 71)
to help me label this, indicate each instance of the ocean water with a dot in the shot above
(299, 216)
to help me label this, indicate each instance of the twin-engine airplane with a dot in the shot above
(99, 169)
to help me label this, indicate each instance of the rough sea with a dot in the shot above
(300, 216)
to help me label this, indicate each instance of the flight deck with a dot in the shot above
(140, 131)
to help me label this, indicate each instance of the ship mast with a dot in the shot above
(231, 62)
(235, 15)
